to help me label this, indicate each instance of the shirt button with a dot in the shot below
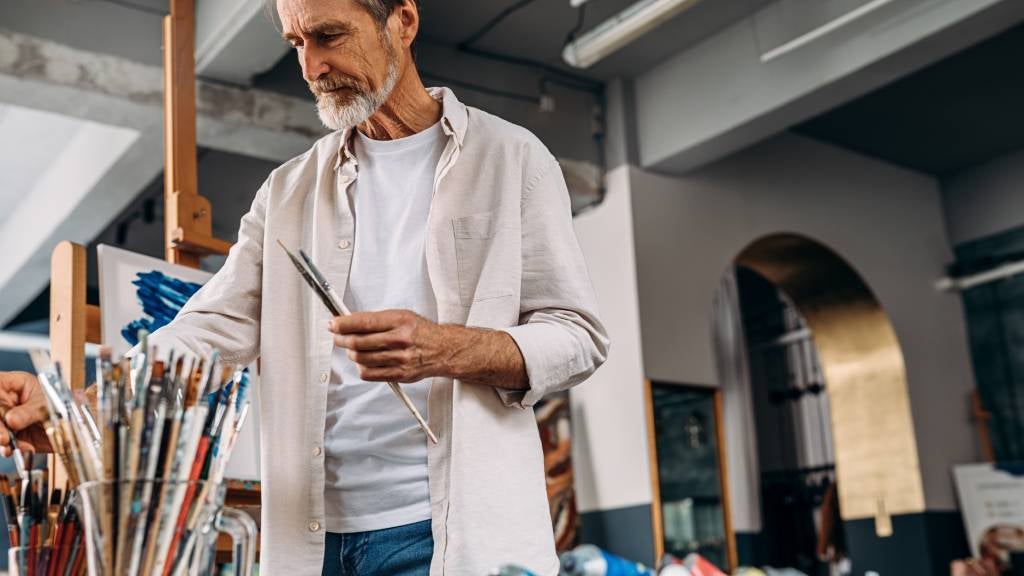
(314, 526)
(344, 244)
(324, 376)
(316, 450)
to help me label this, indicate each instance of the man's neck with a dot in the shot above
(409, 109)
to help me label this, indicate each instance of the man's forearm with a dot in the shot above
(482, 356)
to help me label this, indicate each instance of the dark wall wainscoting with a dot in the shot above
(623, 531)
(921, 544)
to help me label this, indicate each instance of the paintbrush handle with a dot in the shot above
(397, 389)
(340, 304)
(394, 385)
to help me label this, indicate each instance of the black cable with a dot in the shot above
(480, 88)
(581, 83)
(494, 22)
(581, 17)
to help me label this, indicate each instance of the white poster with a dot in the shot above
(992, 505)
(138, 291)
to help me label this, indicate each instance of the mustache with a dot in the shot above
(322, 86)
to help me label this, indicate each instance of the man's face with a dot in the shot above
(350, 64)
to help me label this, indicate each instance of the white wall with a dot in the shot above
(609, 422)
(986, 199)
(885, 221)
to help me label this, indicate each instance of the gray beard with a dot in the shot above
(337, 116)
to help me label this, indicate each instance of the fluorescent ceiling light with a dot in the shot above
(824, 29)
(621, 29)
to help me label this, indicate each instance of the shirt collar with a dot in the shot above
(454, 119)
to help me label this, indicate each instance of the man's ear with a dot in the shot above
(406, 18)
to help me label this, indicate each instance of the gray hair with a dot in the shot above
(380, 10)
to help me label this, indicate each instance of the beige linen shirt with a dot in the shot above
(501, 253)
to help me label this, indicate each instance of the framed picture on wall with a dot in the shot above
(992, 505)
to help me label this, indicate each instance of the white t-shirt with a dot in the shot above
(376, 455)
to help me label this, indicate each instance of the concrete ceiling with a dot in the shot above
(234, 38)
(93, 25)
(539, 30)
(132, 28)
(960, 111)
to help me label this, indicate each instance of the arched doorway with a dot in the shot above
(861, 367)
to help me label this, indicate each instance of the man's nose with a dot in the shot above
(313, 64)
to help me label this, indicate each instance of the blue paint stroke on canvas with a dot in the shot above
(161, 297)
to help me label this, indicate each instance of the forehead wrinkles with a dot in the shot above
(311, 17)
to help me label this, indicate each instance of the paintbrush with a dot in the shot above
(160, 432)
(152, 437)
(11, 510)
(316, 280)
(16, 455)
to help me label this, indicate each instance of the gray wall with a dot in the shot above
(886, 221)
(139, 34)
(986, 199)
(567, 131)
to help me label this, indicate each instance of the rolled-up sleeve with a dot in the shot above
(559, 334)
(225, 313)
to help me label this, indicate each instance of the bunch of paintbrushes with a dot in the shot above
(150, 455)
(42, 525)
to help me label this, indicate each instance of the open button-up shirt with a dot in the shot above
(501, 254)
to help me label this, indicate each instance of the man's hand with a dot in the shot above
(401, 346)
(974, 567)
(25, 410)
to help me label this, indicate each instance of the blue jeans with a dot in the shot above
(399, 551)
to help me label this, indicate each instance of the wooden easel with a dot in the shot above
(188, 223)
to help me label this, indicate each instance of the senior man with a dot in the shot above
(450, 230)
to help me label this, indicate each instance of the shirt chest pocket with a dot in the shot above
(483, 268)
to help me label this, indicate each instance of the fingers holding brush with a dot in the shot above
(23, 409)
(22, 398)
(30, 439)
